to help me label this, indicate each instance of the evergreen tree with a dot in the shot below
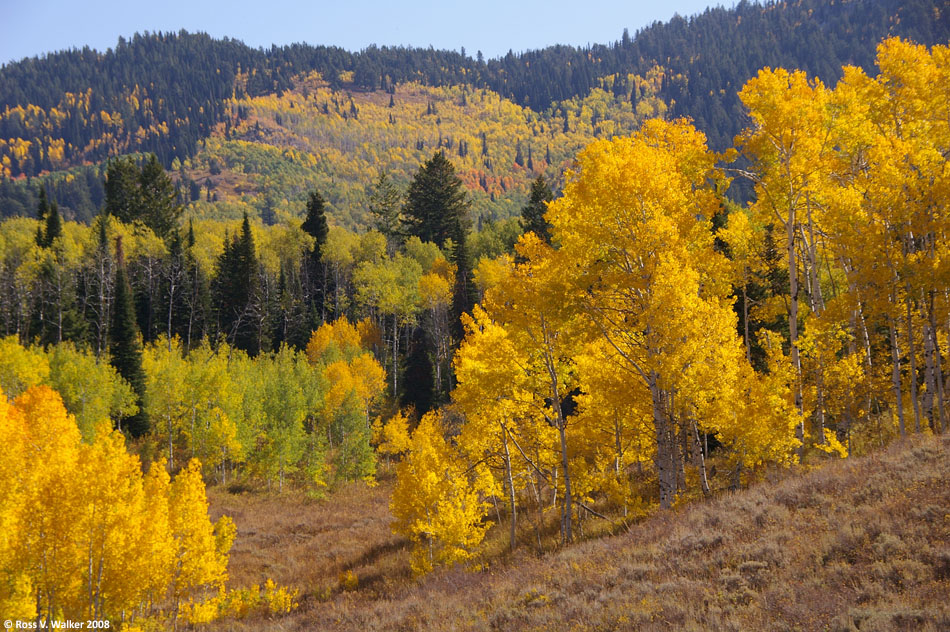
(436, 204)
(315, 225)
(532, 215)
(465, 293)
(197, 292)
(160, 209)
(123, 195)
(384, 206)
(124, 346)
(418, 380)
(54, 225)
(42, 210)
(237, 291)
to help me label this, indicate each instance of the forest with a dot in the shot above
(299, 307)
(63, 115)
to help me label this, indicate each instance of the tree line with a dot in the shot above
(74, 106)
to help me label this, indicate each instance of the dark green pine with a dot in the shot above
(125, 348)
(159, 201)
(532, 215)
(436, 202)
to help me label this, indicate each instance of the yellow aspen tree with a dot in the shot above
(392, 437)
(20, 367)
(493, 395)
(201, 557)
(17, 596)
(156, 565)
(789, 143)
(165, 386)
(113, 502)
(49, 529)
(534, 305)
(615, 413)
(634, 225)
(438, 499)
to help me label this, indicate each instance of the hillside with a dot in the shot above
(855, 545)
(274, 149)
(65, 113)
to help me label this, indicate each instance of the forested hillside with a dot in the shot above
(166, 93)
(519, 327)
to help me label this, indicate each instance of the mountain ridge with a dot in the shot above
(76, 109)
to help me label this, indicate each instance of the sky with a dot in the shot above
(491, 26)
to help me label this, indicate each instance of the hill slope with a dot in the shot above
(857, 545)
(168, 93)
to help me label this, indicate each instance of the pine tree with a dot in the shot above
(237, 290)
(436, 202)
(384, 206)
(160, 210)
(123, 196)
(532, 215)
(418, 380)
(315, 225)
(124, 346)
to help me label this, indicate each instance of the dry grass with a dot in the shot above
(856, 545)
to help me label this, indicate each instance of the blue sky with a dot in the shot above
(492, 26)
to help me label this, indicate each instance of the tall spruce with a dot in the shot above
(418, 388)
(122, 192)
(160, 209)
(384, 203)
(435, 204)
(315, 225)
(54, 225)
(237, 289)
(124, 346)
(532, 215)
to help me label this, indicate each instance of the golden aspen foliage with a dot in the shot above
(437, 502)
(339, 339)
(85, 533)
(634, 225)
(201, 548)
(392, 437)
(17, 596)
(20, 367)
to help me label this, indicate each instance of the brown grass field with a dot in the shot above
(857, 545)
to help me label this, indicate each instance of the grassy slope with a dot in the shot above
(857, 545)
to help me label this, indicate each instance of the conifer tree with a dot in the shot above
(384, 206)
(436, 205)
(54, 225)
(125, 348)
(123, 199)
(315, 225)
(532, 215)
(419, 384)
(237, 289)
(160, 210)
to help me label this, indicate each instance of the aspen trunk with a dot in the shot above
(793, 325)
(511, 490)
(941, 415)
(896, 379)
(700, 460)
(930, 379)
(568, 536)
(665, 469)
(913, 366)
